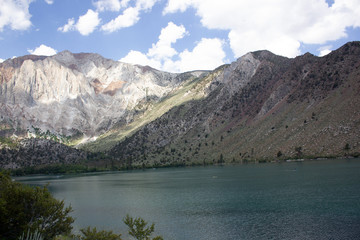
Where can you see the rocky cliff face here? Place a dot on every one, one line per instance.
(69, 94)
(261, 108)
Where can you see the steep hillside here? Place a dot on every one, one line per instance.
(81, 95)
(262, 107)
(37, 152)
(147, 111)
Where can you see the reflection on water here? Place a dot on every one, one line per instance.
(307, 200)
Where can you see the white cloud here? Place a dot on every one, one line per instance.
(2, 60)
(70, 26)
(129, 17)
(15, 14)
(49, 1)
(174, 6)
(86, 24)
(278, 25)
(43, 50)
(169, 35)
(110, 5)
(325, 50)
(136, 57)
(206, 55)
(145, 4)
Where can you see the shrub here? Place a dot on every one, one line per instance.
(31, 236)
(139, 230)
(93, 234)
(24, 208)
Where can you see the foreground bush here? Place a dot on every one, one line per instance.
(32, 213)
(138, 229)
(26, 209)
(93, 234)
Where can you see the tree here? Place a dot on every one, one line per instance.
(347, 147)
(298, 151)
(93, 234)
(24, 208)
(139, 230)
(221, 159)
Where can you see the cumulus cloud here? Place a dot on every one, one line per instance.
(278, 25)
(15, 14)
(86, 23)
(325, 50)
(43, 50)
(136, 57)
(169, 35)
(174, 6)
(145, 4)
(70, 26)
(110, 5)
(206, 55)
(129, 17)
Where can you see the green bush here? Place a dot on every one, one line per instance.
(93, 234)
(139, 230)
(24, 208)
(31, 236)
(32, 213)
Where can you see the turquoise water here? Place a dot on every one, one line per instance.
(307, 200)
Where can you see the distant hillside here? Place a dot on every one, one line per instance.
(75, 95)
(261, 108)
(38, 152)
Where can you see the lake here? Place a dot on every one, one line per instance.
(297, 200)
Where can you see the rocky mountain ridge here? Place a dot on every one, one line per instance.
(69, 94)
(263, 107)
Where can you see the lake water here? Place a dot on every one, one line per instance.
(303, 200)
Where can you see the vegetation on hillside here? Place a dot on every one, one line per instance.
(305, 107)
(261, 108)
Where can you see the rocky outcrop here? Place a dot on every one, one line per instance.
(261, 107)
(71, 93)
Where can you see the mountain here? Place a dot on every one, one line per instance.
(39, 152)
(75, 94)
(262, 107)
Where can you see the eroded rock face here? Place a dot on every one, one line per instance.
(260, 107)
(70, 93)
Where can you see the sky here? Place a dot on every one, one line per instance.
(176, 35)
